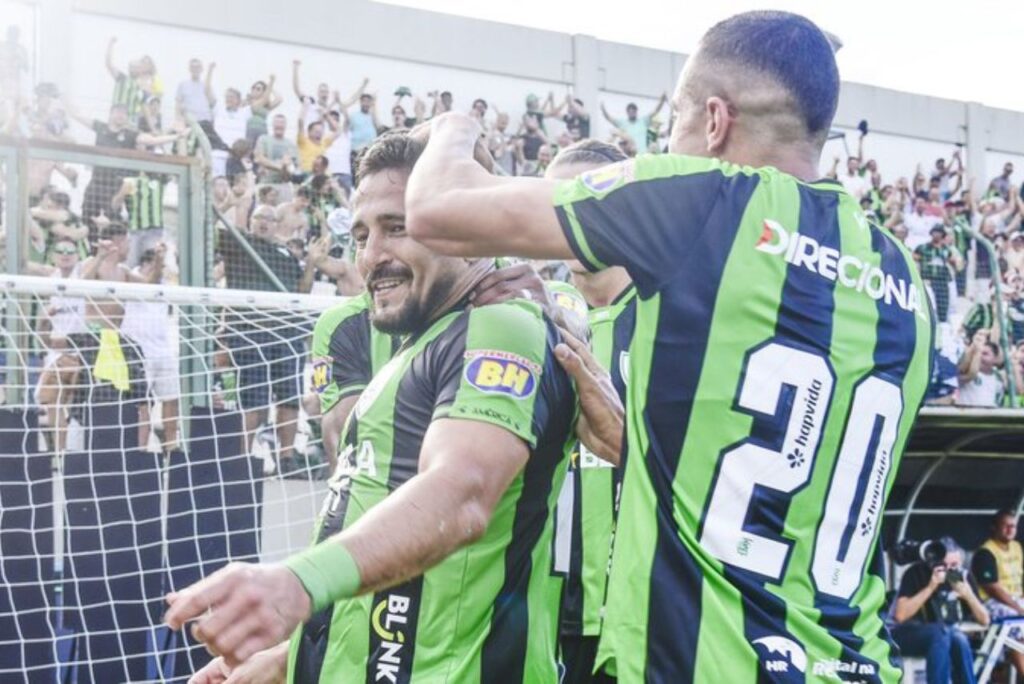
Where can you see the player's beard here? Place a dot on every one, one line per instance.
(413, 314)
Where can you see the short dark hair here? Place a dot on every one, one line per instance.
(788, 48)
(632, 105)
(589, 152)
(1003, 513)
(309, 127)
(147, 256)
(265, 191)
(304, 191)
(393, 150)
(61, 199)
(481, 101)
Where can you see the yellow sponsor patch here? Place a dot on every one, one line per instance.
(499, 372)
(321, 373)
(608, 177)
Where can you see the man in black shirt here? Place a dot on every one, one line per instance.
(929, 607)
(105, 182)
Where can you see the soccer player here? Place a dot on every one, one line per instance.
(435, 562)
(612, 300)
(780, 355)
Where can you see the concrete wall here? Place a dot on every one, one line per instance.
(395, 46)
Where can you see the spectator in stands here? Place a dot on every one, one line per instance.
(148, 324)
(140, 204)
(117, 134)
(1001, 185)
(277, 158)
(338, 155)
(502, 145)
(984, 268)
(269, 363)
(230, 118)
(943, 173)
(195, 98)
(633, 125)
(856, 184)
(261, 100)
(362, 123)
(133, 89)
(311, 140)
(981, 384)
(293, 217)
(528, 146)
(576, 118)
(929, 607)
(441, 102)
(322, 103)
(1017, 368)
(55, 220)
(999, 565)
(937, 261)
(479, 111)
(919, 224)
(47, 119)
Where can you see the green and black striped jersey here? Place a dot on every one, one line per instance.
(146, 205)
(128, 93)
(781, 352)
(596, 482)
(489, 612)
(347, 351)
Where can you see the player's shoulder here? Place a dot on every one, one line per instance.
(514, 325)
(329, 319)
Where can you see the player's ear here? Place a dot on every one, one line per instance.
(718, 122)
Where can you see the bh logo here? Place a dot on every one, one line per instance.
(497, 372)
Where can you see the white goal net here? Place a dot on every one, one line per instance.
(148, 436)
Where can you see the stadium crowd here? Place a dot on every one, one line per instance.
(287, 196)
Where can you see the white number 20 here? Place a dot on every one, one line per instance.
(836, 570)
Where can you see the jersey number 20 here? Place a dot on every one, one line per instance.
(853, 504)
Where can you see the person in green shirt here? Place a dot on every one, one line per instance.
(780, 355)
(937, 261)
(435, 554)
(596, 483)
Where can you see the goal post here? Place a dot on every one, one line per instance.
(141, 432)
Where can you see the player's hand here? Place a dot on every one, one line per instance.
(456, 122)
(938, 576)
(520, 281)
(601, 421)
(266, 667)
(241, 609)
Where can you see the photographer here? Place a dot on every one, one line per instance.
(929, 605)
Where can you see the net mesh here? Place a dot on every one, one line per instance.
(148, 436)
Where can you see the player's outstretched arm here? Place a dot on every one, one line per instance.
(456, 207)
(245, 608)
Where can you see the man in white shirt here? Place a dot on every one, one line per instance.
(981, 384)
(229, 118)
(854, 183)
(919, 224)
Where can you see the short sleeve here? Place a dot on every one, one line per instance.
(493, 372)
(643, 213)
(984, 568)
(910, 584)
(341, 360)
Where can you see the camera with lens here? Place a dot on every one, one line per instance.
(930, 551)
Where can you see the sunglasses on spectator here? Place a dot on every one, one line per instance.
(65, 251)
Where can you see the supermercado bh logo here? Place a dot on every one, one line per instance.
(499, 372)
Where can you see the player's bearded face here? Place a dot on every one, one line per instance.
(402, 299)
(406, 281)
